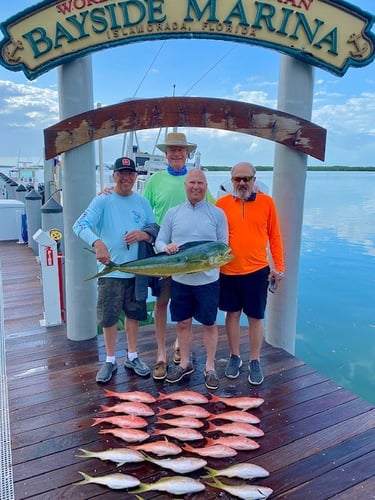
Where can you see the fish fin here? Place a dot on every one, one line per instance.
(191, 244)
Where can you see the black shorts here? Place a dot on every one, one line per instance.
(245, 292)
(116, 295)
(199, 302)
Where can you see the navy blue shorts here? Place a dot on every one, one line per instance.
(245, 292)
(199, 302)
(116, 295)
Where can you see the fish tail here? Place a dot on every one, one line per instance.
(86, 453)
(86, 478)
(211, 472)
(161, 411)
(211, 427)
(109, 393)
(105, 431)
(214, 399)
(162, 395)
(142, 488)
(96, 421)
(187, 447)
(106, 270)
(216, 483)
(105, 408)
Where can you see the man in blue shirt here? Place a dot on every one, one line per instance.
(113, 226)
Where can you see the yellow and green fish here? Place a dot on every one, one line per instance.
(192, 257)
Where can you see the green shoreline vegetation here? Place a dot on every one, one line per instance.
(335, 168)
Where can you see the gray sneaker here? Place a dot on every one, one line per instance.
(211, 380)
(256, 375)
(233, 367)
(105, 373)
(139, 367)
(176, 373)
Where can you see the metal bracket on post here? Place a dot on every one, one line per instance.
(48, 257)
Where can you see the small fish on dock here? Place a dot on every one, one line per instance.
(212, 451)
(130, 408)
(238, 443)
(244, 491)
(181, 465)
(128, 435)
(175, 485)
(186, 410)
(128, 421)
(180, 433)
(138, 396)
(236, 416)
(187, 397)
(116, 481)
(242, 402)
(189, 422)
(160, 448)
(242, 471)
(237, 428)
(120, 456)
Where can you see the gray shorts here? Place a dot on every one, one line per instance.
(116, 295)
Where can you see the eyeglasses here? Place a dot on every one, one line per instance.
(245, 178)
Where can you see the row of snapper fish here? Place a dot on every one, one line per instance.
(185, 423)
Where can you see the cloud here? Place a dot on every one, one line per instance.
(25, 110)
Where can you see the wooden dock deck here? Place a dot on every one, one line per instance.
(318, 443)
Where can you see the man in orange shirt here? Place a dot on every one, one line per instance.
(244, 281)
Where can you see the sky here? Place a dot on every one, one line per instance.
(345, 106)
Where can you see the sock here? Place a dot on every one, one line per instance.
(132, 355)
(111, 359)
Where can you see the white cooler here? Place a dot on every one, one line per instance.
(11, 212)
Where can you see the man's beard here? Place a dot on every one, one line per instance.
(242, 194)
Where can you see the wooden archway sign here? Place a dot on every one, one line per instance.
(223, 114)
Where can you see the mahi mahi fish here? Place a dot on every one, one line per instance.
(192, 257)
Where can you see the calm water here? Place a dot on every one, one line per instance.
(336, 304)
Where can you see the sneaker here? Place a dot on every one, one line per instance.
(233, 367)
(211, 380)
(139, 367)
(160, 370)
(177, 373)
(256, 375)
(105, 373)
(176, 356)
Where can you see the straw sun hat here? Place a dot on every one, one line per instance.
(176, 139)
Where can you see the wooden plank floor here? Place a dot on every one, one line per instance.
(319, 440)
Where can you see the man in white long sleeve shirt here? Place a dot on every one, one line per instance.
(194, 295)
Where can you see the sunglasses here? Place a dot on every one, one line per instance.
(245, 178)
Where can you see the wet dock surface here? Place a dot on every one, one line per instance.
(318, 443)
